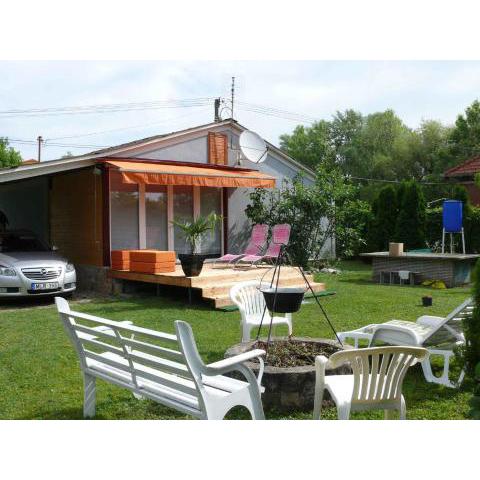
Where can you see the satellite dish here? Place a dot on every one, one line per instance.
(253, 146)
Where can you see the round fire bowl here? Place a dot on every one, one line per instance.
(290, 388)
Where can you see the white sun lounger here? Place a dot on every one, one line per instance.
(439, 335)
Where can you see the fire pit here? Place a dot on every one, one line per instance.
(289, 377)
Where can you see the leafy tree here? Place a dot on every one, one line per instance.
(8, 156)
(465, 136)
(410, 227)
(317, 213)
(309, 145)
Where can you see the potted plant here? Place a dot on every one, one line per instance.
(193, 232)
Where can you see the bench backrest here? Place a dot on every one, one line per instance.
(141, 353)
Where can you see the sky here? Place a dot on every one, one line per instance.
(415, 90)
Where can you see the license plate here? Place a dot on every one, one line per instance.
(44, 286)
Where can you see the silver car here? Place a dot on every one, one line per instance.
(28, 267)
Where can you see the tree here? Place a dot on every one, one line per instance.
(8, 156)
(465, 136)
(317, 213)
(385, 213)
(310, 145)
(410, 227)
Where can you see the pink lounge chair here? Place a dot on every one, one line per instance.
(257, 240)
(280, 236)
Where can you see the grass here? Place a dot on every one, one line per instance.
(40, 376)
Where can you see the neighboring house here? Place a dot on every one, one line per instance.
(124, 197)
(464, 174)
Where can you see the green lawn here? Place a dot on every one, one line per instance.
(40, 377)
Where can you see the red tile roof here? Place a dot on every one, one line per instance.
(470, 167)
(30, 161)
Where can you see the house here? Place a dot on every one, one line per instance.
(464, 175)
(124, 197)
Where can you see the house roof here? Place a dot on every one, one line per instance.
(465, 169)
(89, 159)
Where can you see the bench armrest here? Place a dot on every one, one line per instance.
(229, 364)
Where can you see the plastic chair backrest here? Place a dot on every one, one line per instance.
(248, 297)
(378, 372)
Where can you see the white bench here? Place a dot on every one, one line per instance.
(160, 366)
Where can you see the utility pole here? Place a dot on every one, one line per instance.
(40, 141)
(233, 93)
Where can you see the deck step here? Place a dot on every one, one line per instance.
(224, 300)
(224, 288)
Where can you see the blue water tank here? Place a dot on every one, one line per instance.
(452, 216)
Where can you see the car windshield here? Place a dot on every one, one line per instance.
(20, 242)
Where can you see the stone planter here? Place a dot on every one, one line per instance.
(289, 388)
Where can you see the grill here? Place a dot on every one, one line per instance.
(42, 273)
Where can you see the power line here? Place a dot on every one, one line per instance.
(145, 125)
(380, 180)
(108, 108)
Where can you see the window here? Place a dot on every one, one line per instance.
(156, 221)
(211, 201)
(182, 211)
(123, 214)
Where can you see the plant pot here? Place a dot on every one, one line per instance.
(288, 299)
(427, 301)
(191, 263)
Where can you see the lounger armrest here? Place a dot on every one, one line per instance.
(229, 364)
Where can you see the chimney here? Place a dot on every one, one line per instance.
(217, 110)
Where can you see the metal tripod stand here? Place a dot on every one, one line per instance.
(283, 254)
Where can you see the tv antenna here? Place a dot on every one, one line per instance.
(232, 92)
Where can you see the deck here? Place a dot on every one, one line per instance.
(215, 282)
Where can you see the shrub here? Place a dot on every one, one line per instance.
(384, 218)
(318, 213)
(410, 226)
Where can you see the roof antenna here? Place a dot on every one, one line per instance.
(232, 93)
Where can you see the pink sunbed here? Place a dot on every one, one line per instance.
(254, 247)
(280, 236)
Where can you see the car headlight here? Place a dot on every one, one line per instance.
(70, 267)
(7, 271)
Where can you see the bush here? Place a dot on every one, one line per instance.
(384, 217)
(472, 327)
(317, 213)
(410, 227)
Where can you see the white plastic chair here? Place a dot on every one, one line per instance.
(249, 300)
(440, 335)
(376, 382)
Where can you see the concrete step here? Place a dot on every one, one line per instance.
(222, 301)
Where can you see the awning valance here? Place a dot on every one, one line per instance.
(168, 174)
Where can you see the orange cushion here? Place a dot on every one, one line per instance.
(120, 265)
(144, 267)
(120, 255)
(152, 256)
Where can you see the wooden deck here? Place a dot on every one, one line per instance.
(215, 282)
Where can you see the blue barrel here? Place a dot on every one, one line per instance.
(452, 216)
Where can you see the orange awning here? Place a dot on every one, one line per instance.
(168, 174)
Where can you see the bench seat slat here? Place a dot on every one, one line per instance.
(160, 363)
